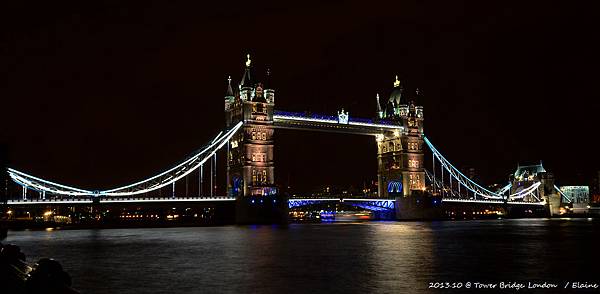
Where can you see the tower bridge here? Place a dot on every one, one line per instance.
(405, 185)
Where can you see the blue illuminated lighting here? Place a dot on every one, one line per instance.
(237, 184)
(394, 187)
(369, 204)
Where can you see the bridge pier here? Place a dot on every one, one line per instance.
(419, 205)
(384, 215)
(523, 211)
(270, 209)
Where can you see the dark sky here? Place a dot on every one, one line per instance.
(96, 95)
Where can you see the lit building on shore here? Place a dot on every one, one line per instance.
(579, 196)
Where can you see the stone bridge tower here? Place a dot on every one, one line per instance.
(400, 152)
(527, 175)
(250, 168)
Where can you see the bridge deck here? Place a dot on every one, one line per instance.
(121, 200)
(227, 198)
(300, 121)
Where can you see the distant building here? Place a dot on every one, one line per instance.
(579, 196)
(472, 173)
(595, 189)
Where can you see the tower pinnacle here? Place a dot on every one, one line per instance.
(397, 82)
(229, 92)
(246, 78)
(248, 61)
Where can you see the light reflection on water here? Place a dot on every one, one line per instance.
(397, 257)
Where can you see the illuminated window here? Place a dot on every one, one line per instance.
(253, 135)
(414, 181)
(258, 108)
(413, 146)
(413, 163)
(259, 157)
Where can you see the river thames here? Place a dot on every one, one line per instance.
(360, 257)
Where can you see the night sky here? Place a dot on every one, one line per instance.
(97, 95)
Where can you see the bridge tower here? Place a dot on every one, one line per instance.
(400, 152)
(527, 175)
(250, 162)
(250, 168)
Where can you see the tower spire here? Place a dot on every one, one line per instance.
(397, 82)
(267, 80)
(379, 111)
(246, 79)
(417, 99)
(248, 61)
(229, 89)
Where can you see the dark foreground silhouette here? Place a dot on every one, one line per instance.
(45, 276)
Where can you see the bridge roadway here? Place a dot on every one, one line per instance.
(121, 200)
(294, 202)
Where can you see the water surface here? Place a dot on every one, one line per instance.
(367, 257)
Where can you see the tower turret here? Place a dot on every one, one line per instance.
(229, 96)
(389, 109)
(379, 111)
(397, 100)
(269, 91)
(418, 104)
(414, 121)
(402, 106)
